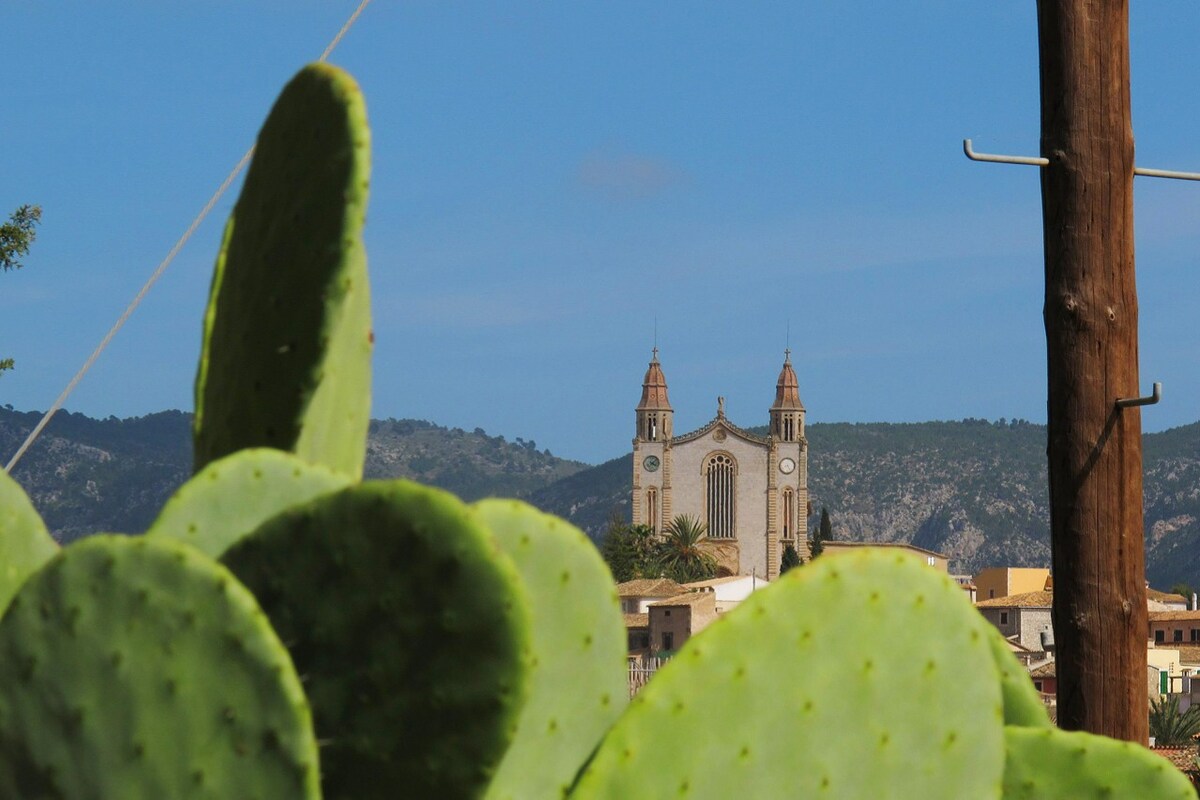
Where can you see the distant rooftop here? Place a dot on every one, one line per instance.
(649, 587)
(720, 581)
(1041, 599)
(903, 545)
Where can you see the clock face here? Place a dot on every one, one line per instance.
(651, 463)
(787, 466)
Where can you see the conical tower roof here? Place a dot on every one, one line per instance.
(787, 388)
(654, 387)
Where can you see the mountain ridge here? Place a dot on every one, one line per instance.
(973, 489)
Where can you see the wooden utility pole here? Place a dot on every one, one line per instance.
(1095, 450)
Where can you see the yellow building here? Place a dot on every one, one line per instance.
(996, 582)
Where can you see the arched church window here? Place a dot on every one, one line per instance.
(652, 508)
(720, 479)
(789, 429)
(789, 514)
(652, 427)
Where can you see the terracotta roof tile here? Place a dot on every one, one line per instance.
(687, 599)
(637, 620)
(1172, 616)
(1164, 597)
(1044, 671)
(1188, 655)
(1024, 600)
(649, 587)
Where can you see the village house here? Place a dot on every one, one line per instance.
(1023, 618)
(1174, 627)
(995, 582)
(1165, 601)
(637, 595)
(675, 620)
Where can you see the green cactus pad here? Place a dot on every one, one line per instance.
(132, 668)
(412, 629)
(1047, 763)
(865, 675)
(231, 497)
(1022, 706)
(25, 544)
(580, 681)
(285, 359)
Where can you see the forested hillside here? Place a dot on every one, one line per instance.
(975, 490)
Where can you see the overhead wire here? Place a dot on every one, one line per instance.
(162, 267)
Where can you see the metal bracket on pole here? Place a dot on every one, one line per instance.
(1032, 162)
(1129, 402)
(1043, 162)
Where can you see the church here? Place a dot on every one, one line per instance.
(751, 491)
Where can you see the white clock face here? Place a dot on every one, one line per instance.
(650, 463)
(787, 466)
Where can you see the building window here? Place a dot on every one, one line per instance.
(789, 429)
(931, 561)
(652, 508)
(668, 640)
(1037, 685)
(991, 593)
(789, 514)
(1159, 637)
(652, 427)
(720, 493)
(1196, 634)
(1177, 635)
(1003, 617)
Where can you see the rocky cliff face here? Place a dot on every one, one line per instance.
(973, 490)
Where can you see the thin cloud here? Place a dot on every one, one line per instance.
(626, 176)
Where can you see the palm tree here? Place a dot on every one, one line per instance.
(1169, 726)
(680, 555)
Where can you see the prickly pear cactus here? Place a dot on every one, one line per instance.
(412, 629)
(1047, 763)
(285, 358)
(579, 684)
(137, 669)
(859, 676)
(231, 497)
(25, 544)
(1022, 706)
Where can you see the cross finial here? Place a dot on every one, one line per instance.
(787, 355)
(655, 351)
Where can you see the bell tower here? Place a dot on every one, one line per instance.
(787, 413)
(787, 476)
(652, 450)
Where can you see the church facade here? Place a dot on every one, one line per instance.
(751, 491)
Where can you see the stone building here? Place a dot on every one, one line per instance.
(750, 490)
(1021, 618)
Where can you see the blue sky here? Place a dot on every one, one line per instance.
(549, 178)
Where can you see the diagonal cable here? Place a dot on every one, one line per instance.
(162, 267)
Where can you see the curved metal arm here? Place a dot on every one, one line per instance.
(1129, 402)
(971, 154)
